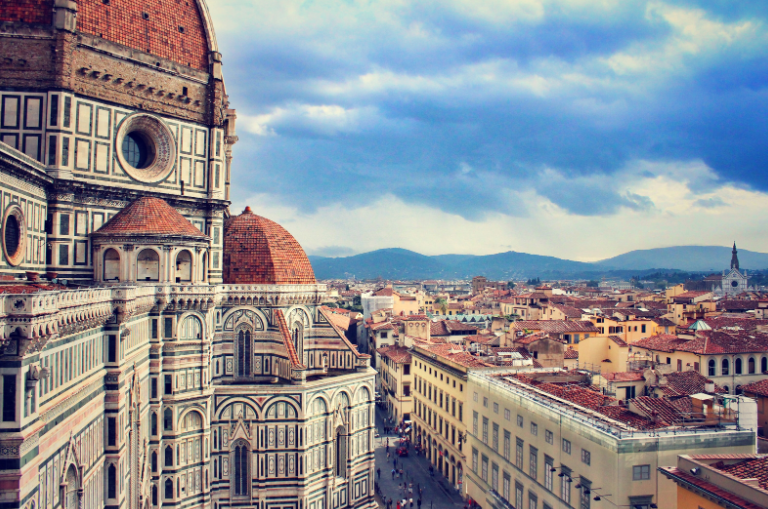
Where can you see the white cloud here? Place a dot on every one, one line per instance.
(547, 229)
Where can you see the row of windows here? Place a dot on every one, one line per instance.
(443, 400)
(70, 363)
(434, 372)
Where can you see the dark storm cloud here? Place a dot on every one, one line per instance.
(440, 105)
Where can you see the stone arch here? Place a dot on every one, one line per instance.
(148, 265)
(259, 314)
(71, 488)
(363, 391)
(313, 410)
(191, 327)
(229, 410)
(299, 313)
(192, 417)
(281, 408)
(183, 266)
(111, 265)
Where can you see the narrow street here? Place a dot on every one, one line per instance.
(436, 491)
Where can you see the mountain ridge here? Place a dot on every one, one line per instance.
(399, 263)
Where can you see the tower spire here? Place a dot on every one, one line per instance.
(734, 258)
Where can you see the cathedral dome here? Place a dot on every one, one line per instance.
(177, 30)
(150, 216)
(260, 251)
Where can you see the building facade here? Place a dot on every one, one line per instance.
(172, 354)
(545, 439)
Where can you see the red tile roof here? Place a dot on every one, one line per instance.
(686, 383)
(287, 342)
(31, 288)
(760, 388)
(700, 483)
(398, 354)
(570, 353)
(618, 340)
(753, 468)
(260, 251)
(149, 216)
(628, 376)
(555, 326)
(158, 34)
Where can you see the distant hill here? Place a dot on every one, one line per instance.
(687, 258)
(404, 264)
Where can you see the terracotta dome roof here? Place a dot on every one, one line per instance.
(259, 251)
(171, 29)
(149, 216)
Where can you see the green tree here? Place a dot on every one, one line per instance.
(592, 284)
(511, 285)
(442, 304)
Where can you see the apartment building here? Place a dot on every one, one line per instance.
(440, 381)
(731, 481)
(395, 381)
(546, 439)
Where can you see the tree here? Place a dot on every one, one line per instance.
(592, 284)
(511, 285)
(442, 304)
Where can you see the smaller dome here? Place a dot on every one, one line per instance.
(149, 216)
(261, 252)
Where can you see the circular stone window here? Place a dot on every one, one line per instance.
(146, 148)
(734, 284)
(14, 235)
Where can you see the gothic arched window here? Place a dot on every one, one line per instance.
(244, 352)
(71, 498)
(168, 419)
(240, 471)
(169, 456)
(168, 489)
(154, 461)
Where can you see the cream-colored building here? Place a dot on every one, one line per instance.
(440, 378)
(545, 439)
(395, 381)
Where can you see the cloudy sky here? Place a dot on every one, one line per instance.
(575, 128)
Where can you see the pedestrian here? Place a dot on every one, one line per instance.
(387, 453)
(378, 473)
(401, 472)
(393, 474)
(418, 502)
(411, 502)
(398, 504)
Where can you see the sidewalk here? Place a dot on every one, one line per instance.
(437, 492)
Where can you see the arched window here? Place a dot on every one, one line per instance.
(168, 419)
(148, 266)
(725, 367)
(241, 478)
(341, 452)
(763, 364)
(70, 496)
(184, 266)
(191, 328)
(737, 366)
(153, 422)
(244, 352)
(112, 481)
(154, 461)
(154, 494)
(204, 268)
(111, 265)
(712, 367)
(169, 456)
(298, 339)
(751, 365)
(192, 422)
(168, 489)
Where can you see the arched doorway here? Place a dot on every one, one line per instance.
(148, 266)
(111, 265)
(184, 266)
